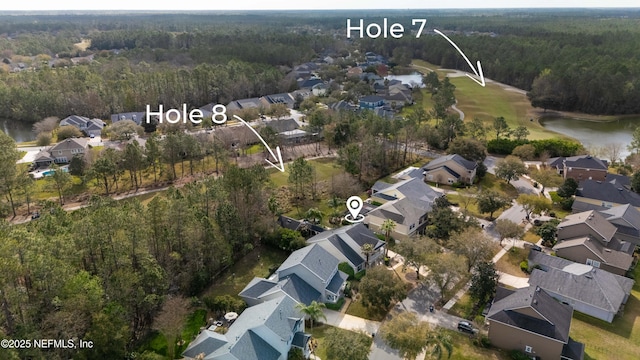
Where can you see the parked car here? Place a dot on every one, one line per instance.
(536, 248)
(35, 215)
(466, 326)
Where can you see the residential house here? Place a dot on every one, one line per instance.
(288, 130)
(284, 98)
(265, 331)
(234, 137)
(588, 238)
(406, 202)
(346, 244)
(309, 83)
(320, 89)
(600, 195)
(588, 290)
(305, 227)
(251, 103)
(84, 124)
(626, 219)
(62, 152)
(342, 106)
(308, 274)
(371, 102)
(450, 169)
(580, 167)
(532, 321)
(137, 117)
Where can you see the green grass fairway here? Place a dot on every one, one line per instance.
(325, 169)
(489, 102)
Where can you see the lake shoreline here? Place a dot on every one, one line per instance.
(541, 115)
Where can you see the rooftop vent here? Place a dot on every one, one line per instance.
(535, 302)
(588, 276)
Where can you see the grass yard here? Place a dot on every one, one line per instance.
(356, 308)
(490, 181)
(619, 340)
(325, 168)
(510, 262)
(319, 333)
(157, 342)
(255, 263)
(464, 349)
(531, 237)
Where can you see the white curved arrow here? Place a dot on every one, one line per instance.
(278, 158)
(477, 72)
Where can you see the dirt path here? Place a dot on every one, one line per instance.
(309, 151)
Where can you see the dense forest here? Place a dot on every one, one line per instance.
(578, 62)
(575, 60)
(77, 275)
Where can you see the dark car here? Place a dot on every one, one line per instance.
(536, 248)
(35, 215)
(466, 326)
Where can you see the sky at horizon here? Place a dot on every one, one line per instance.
(185, 5)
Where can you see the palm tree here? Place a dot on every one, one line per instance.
(387, 226)
(314, 215)
(367, 250)
(439, 341)
(313, 311)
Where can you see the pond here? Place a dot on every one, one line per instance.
(412, 79)
(595, 133)
(20, 131)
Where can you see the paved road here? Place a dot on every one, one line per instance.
(417, 302)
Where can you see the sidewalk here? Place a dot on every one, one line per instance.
(350, 322)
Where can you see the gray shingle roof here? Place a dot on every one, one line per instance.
(593, 220)
(553, 318)
(313, 257)
(299, 290)
(349, 241)
(256, 287)
(625, 218)
(595, 287)
(283, 125)
(247, 337)
(436, 163)
(137, 117)
(579, 281)
(353, 256)
(207, 342)
(615, 254)
(338, 279)
(608, 192)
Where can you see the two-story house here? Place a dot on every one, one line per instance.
(308, 274)
(589, 290)
(88, 126)
(588, 238)
(61, 153)
(266, 331)
(601, 195)
(532, 321)
(407, 203)
(580, 167)
(346, 244)
(450, 169)
(371, 102)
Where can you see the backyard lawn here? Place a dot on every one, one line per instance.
(256, 263)
(510, 262)
(319, 332)
(619, 340)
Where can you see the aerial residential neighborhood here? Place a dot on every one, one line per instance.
(264, 185)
